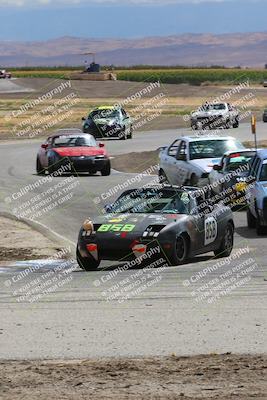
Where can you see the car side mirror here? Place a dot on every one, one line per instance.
(181, 157)
(204, 207)
(108, 208)
(217, 167)
(44, 146)
(101, 144)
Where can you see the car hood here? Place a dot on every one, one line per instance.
(105, 121)
(140, 221)
(79, 151)
(206, 164)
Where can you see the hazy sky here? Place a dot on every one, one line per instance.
(45, 19)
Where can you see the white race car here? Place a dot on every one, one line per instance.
(215, 115)
(189, 160)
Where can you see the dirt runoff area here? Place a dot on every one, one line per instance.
(20, 242)
(222, 377)
(136, 162)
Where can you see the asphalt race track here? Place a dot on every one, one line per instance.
(81, 319)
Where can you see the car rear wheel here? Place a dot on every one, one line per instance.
(251, 220)
(227, 243)
(261, 230)
(180, 251)
(236, 124)
(123, 135)
(130, 136)
(228, 124)
(86, 263)
(106, 170)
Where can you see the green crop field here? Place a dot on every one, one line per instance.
(192, 76)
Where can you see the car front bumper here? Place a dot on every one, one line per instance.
(84, 163)
(116, 248)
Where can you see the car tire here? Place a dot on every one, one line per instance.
(180, 251)
(260, 229)
(50, 169)
(106, 170)
(124, 136)
(163, 177)
(227, 244)
(86, 263)
(236, 124)
(228, 124)
(130, 136)
(39, 169)
(251, 220)
(193, 180)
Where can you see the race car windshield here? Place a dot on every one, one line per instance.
(217, 106)
(147, 202)
(74, 141)
(235, 161)
(212, 148)
(103, 114)
(263, 175)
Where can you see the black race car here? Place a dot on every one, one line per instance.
(108, 122)
(177, 221)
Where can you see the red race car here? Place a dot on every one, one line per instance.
(77, 151)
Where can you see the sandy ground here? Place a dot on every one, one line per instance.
(135, 162)
(221, 377)
(166, 113)
(19, 242)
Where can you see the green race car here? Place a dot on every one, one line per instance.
(108, 122)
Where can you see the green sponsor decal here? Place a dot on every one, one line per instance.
(116, 228)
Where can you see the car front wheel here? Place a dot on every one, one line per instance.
(227, 243)
(163, 177)
(86, 263)
(39, 168)
(106, 170)
(180, 251)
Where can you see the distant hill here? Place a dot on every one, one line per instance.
(244, 49)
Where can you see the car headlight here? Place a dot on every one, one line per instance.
(88, 227)
(241, 186)
(153, 231)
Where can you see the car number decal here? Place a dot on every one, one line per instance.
(211, 230)
(116, 228)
